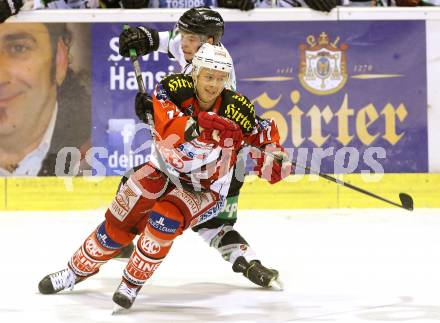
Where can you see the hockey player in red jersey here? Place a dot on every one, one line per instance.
(195, 27)
(199, 126)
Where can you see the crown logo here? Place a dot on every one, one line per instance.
(322, 64)
(323, 41)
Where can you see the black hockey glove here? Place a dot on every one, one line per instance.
(135, 4)
(143, 104)
(243, 5)
(322, 5)
(9, 8)
(143, 40)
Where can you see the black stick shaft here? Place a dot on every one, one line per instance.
(137, 71)
(407, 205)
(141, 85)
(358, 189)
(136, 67)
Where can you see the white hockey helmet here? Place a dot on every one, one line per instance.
(213, 57)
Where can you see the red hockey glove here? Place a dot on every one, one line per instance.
(273, 170)
(229, 133)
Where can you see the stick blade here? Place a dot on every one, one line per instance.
(407, 201)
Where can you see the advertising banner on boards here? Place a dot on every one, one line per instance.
(347, 96)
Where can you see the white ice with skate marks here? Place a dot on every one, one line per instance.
(339, 266)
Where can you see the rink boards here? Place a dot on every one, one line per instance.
(408, 157)
(307, 191)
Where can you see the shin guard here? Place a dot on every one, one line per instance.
(96, 250)
(146, 258)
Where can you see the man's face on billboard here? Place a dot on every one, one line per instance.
(27, 88)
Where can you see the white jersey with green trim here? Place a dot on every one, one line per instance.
(170, 42)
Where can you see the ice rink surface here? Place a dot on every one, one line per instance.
(336, 265)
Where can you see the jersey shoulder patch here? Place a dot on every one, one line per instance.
(179, 87)
(239, 109)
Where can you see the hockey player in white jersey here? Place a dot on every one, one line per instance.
(195, 27)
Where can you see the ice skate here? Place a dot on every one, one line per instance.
(58, 281)
(125, 296)
(257, 273)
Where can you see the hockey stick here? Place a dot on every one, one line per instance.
(149, 114)
(405, 199)
(141, 86)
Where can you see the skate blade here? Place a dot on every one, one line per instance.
(118, 310)
(276, 284)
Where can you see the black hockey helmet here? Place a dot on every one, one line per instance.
(202, 21)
